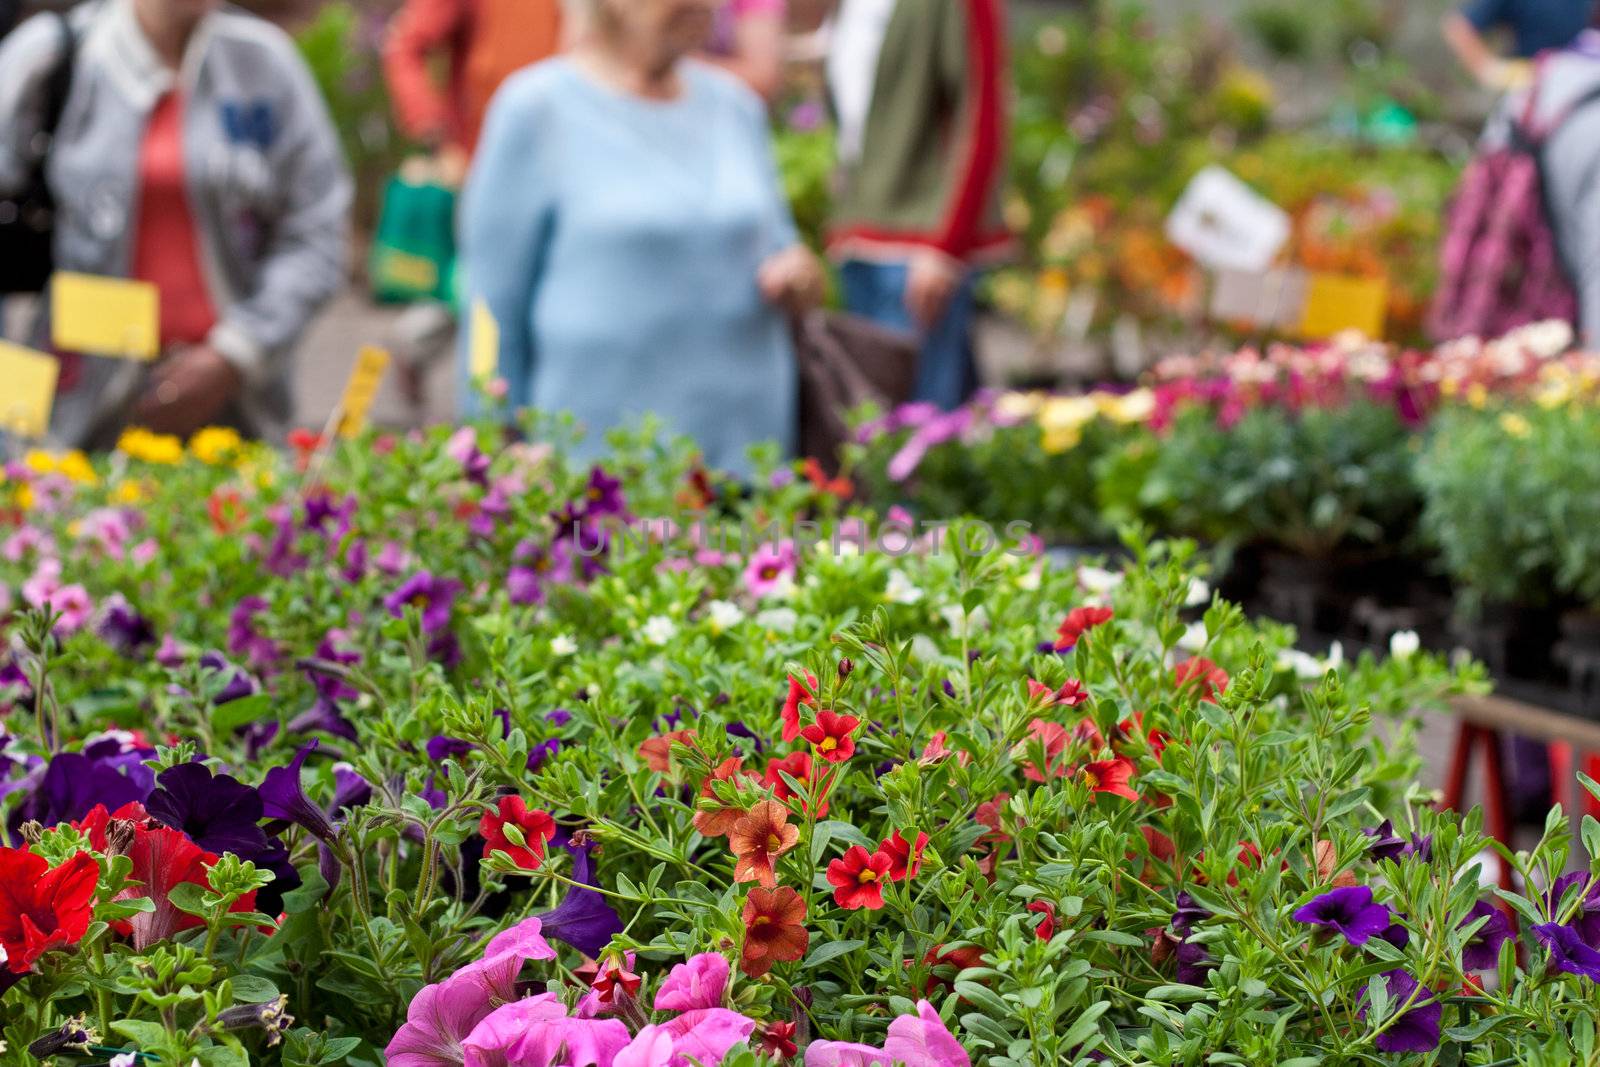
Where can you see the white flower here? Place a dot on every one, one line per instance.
(1199, 593)
(1305, 666)
(723, 615)
(1335, 658)
(781, 620)
(1097, 581)
(658, 630)
(1030, 580)
(1194, 638)
(923, 649)
(123, 1059)
(1404, 644)
(900, 589)
(563, 645)
(961, 622)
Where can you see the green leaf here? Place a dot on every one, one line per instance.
(985, 998)
(830, 950)
(144, 1034)
(236, 713)
(188, 897)
(1178, 994)
(253, 989)
(1085, 1025)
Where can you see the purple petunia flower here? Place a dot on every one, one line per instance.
(1188, 914)
(583, 919)
(1349, 910)
(332, 651)
(559, 717)
(442, 748)
(1568, 952)
(323, 715)
(1193, 963)
(1417, 1029)
(463, 448)
(283, 797)
(602, 495)
(1482, 950)
(244, 640)
(433, 597)
(539, 753)
(350, 790)
(123, 628)
(237, 683)
(218, 812)
(72, 783)
(1387, 845)
(1587, 920)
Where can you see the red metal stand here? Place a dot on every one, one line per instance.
(1496, 803)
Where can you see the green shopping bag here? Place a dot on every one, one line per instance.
(413, 254)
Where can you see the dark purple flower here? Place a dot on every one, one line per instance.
(583, 919)
(323, 715)
(350, 790)
(218, 812)
(14, 685)
(123, 628)
(332, 651)
(432, 597)
(72, 783)
(354, 567)
(442, 748)
(283, 797)
(433, 794)
(1482, 950)
(244, 640)
(1349, 910)
(236, 684)
(1587, 919)
(1396, 934)
(257, 736)
(1417, 1029)
(559, 717)
(1188, 914)
(504, 715)
(542, 751)
(329, 517)
(1388, 845)
(739, 729)
(170, 653)
(1193, 963)
(1568, 952)
(602, 496)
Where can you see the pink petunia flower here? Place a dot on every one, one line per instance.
(698, 982)
(771, 569)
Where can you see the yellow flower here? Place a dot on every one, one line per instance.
(1056, 442)
(1017, 406)
(215, 444)
(1477, 396)
(141, 444)
(1515, 425)
(128, 491)
(40, 462)
(1449, 387)
(24, 497)
(76, 465)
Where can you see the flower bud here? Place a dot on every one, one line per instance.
(71, 1036)
(269, 1016)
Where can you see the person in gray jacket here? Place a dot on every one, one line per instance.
(194, 152)
(1569, 97)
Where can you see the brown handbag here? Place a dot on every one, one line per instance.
(847, 361)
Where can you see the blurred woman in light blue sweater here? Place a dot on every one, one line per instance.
(625, 224)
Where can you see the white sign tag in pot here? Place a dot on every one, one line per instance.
(1226, 225)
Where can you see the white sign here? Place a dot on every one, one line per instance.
(1226, 225)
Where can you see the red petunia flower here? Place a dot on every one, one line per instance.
(1110, 776)
(40, 908)
(1210, 680)
(1070, 695)
(1078, 622)
(758, 839)
(612, 978)
(718, 822)
(799, 693)
(163, 859)
(952, 961)
(1053, 736)
(534, 827)
(840, 487)
(1130, 732)
(657, 751)
(989, 814)
(905, 859)
(1047, 926)
(797, 765)
(774, 929)
(831, 736)
(226, 509)
(777, 1040)
(857, 878)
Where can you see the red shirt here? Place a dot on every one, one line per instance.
(166, 249)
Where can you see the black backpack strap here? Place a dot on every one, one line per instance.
(58, 85)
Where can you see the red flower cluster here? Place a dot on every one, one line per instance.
(1078, 622)
(1210, 680)
(800, 693)
(516, 831)
(857, 877)
(718, 821)
(832, 736)
(41, 908)
(774, 929)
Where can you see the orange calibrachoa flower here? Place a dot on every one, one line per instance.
(1110, 776)
(1053, 736)
(719, 821)
(1078, 622)
(760, 837)
(857, 878)
(797, 765)
(905, 859)
(1070, 695)
(657, 751)
(516, 831)
(799, 693)
(831, 736)
(774, 929)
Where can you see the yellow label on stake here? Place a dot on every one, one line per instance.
(361, 390)
(1338, 302)
(105, 316)
(484, 358)
(30, 390)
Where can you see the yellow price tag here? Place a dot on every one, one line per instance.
(1337, 302)
(30, 390)
(361, 390)
(105, 316)
(484, 357)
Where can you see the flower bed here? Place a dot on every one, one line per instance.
(382, 761)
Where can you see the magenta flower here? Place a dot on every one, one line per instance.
(432, 597)
(1350, 911)
(920, 1040)
(698, 982)
(771, 566)
(531, 1033)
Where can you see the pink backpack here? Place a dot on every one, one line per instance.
(1500, 265)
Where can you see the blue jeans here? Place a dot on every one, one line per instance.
(946, 374)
